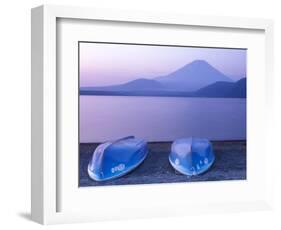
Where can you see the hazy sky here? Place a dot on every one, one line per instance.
(108, 64)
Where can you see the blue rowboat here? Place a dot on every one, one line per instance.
(191, 156)
(117, 158)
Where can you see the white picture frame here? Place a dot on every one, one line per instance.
(46, 183)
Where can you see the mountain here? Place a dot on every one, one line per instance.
(193, 76)
(138, 84)
(190, 77)
(197, 79)
(224, 89)
(239, 89)
(139, 87)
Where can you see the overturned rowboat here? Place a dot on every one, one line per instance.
(191, 156)
(117, 158)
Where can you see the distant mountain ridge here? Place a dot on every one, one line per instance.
(193, 76)
(197, 79)
(138, 84)
(224, 89)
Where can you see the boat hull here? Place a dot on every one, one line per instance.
(115, 159)
(191, 156)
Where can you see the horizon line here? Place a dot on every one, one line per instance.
(202, 60)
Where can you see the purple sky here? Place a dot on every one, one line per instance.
(109, 64)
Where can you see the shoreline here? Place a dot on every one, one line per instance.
(230, 164)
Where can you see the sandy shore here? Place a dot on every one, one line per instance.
(230, 164)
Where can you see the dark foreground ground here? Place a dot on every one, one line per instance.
(230, 164)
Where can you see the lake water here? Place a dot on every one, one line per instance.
(161, 118)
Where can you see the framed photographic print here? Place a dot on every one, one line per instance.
(140, 114)
(192, 92)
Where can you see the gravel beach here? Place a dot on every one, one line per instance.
(230, 164)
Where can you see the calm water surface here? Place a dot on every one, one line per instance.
(161, 118)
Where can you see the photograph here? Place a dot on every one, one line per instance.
(157, 113)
